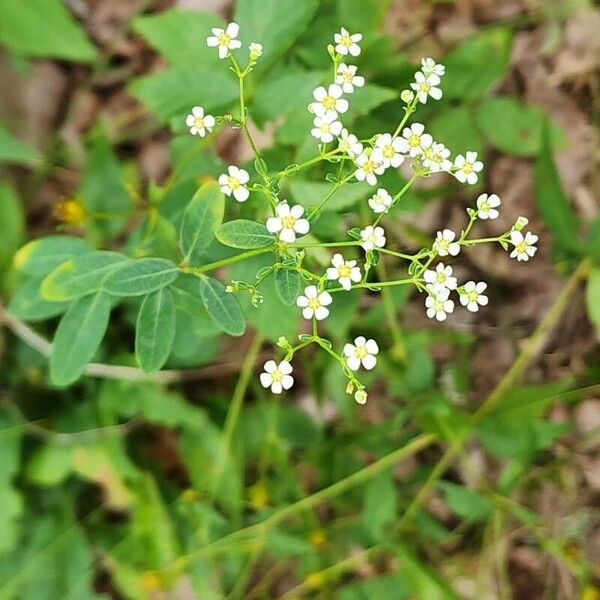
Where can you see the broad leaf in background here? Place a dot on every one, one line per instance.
(10, 498)
(456, 128)
(43, 28)
(12, 223)
(273, 23)
(552, 201)
(362, 15)
(288, 284)
(467, 504)
(379, 510)
(41, 256)
(593, 298)
(78, 337)
(80, 276)
(366, 99)
(244, 234)
(14, 151)
(140, 277)
(155, 330)
(27, 303)
(201, 219)
(222, 307)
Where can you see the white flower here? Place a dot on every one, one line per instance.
(344, 271)
(225, 39)
(430, 67)
(349, 143)
(372, 237)
(363, 351)
(347, 78)
(277, 376)
(360, 396)
(234, 183)
(328, 101)
(380, 201)
(392, 149)
(444, 243)
(326, 127)
(346, 43)
(288, 223)
(198, 122)
(255, 50)
(472, 296)
(417, 138)
(370, 164)
(524, 245)
(437, 303)
(486, 206)
(467, 168)
(440, 278)
(314, 304)
(436, 158)
(407, 96)
(425, 86)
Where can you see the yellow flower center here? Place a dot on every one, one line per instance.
(224, 39)
(329, 102)
(369, 166)
(344, 271)
(428, 153)
(233, 183)
(199, 122)
(441, 277)
(443, 244)
(288, 222)
(276, 375)
(360, 352)
(522, 247)
(347, 76)
(439, 306)
(325, 127)
(425, 87)
(467, 168)
(485, 207)
(346, 41)
(473, 296)
(388, 151)
(314, 303)
(414, 140)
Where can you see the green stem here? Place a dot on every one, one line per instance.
(373, 285)
(409, 110)
(226, 261)
(399, 347)
(306, 164)
(315, 211)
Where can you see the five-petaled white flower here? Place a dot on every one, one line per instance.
(344, 271)
(437, 158)
(467, 168)
(347, 43)
(380, 201)
(235, 183)
(346, 77)
(361, 396)
(472, 295)
(349, 144)
(440, 278)
(326, 127)
(417, 138)
(392, 150)
(438, 304)
(255, 49)
(363, 351)
(198, 122)
(486, 206)
(277, 376)
(224, 39)
(288, 222)
(372, 237)
(444, 243)
(524, 245)
(426, 86)
(314, 303)
(370, 164)
(328, 101)
(430, 67)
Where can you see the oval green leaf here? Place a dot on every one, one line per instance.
(78, 337)
(222, 307)
(39, 257)
(28, 305)
(244, 234)
(140, 277)
(288, 284)
(155, 330)
(79, 276)
(201, 219)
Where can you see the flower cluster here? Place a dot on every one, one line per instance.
(360, 160)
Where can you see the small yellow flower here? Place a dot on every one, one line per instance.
(317, 538)
(150, 581)
(590, 593)
(70, 211)
(315, 580)
(190, 495)
(258, 495)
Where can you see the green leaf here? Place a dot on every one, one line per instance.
(78, 337)
(14, 151)
(514, 127)
(362, 15)
(43, 28)
(155, 330)
(288, 284)
(456, 128)
(28, 305)
(41, 256)
(466, 503)
(380, 505)
(366, 99)
(273, 23)
(592, 297)
(244, 234)
(80, 276)
(473, 67)
(201, 219)
(140, 277)
(12, 223)
(222, 307)
(552, 202)
(10, 499)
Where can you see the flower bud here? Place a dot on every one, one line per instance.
(350, 387)
(256, 51)
(520, 223)
(361, 396)
(282, 342)
(407, 96)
